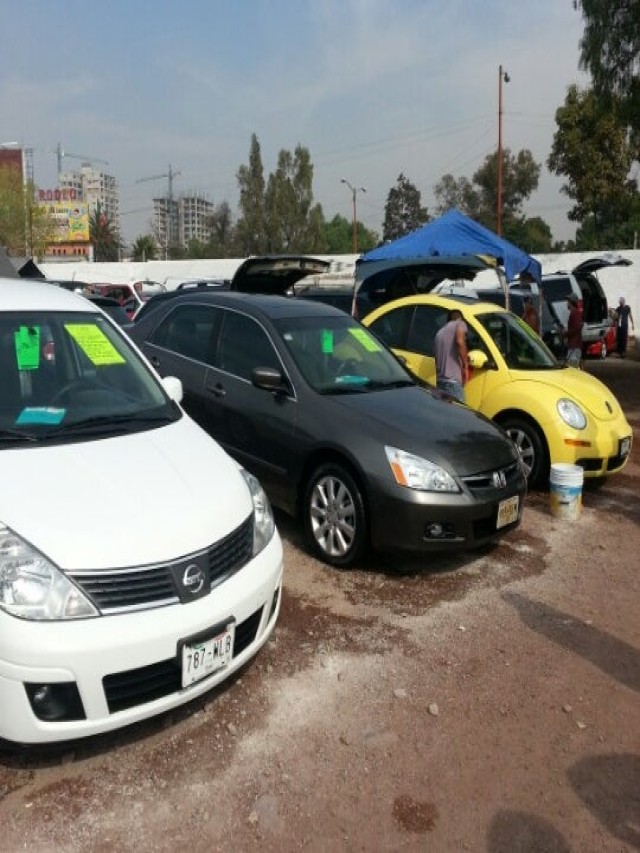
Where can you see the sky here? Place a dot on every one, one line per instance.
(372, 88)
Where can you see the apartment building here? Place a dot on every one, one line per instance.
(179, 221)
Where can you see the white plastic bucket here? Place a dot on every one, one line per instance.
(565, 490)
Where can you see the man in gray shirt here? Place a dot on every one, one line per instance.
(450, 350)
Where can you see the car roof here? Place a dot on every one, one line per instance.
(21, 295)
(258, 304)
(473, 306)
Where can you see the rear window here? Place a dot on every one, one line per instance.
(557, 289)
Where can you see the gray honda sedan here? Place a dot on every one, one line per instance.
(335, 428)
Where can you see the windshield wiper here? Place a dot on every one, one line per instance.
(16, 435)
(383, 384)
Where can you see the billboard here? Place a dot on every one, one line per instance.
(70, 220)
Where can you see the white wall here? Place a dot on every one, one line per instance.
(616, 282)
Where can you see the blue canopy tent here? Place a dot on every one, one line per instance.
(453, 235)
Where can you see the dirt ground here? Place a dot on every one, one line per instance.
(485, 702)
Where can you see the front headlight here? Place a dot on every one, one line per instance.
(571, 413)
(33, 588)
(263, 523)
(417, 473)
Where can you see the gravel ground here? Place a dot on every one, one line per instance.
(481, 702)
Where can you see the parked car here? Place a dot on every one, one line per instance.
(551, 329)
(333, 425)
(582, 281)
(124, 294)
(340, 296)
(100, 629)
(111, 307)
(552, 412)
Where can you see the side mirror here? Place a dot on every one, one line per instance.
(268, 379)
(477, 359)
(173, 386)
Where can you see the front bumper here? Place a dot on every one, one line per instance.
(138, 648)
(406, 520)
(598, 452)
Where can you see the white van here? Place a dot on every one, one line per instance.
(112, 615)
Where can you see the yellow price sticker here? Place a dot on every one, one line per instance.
(368, 342)
(94, 344)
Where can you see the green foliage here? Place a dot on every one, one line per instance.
(104, 236)
(460, 194)
(25, 227)
(338, 235)
(403, 211)
(610, 52)
(532, 235)
(293, 222)
(12, 211)
(478, 197)
(520, 175)
(251, 234)
(593, 151)
(144, 248)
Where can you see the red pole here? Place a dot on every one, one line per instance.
(499, 211)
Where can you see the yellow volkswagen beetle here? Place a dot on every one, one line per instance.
(553, 413)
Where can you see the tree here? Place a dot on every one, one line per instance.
(478, 197)
(144, 248)
(223, 242)
(403, 211)
(293, 222)
(339, 236)
(452, 194)
(104, 236)
(532, 235)
(26, 228)
(520, 176)
(250, 229)
(593, 151)
(610, 52)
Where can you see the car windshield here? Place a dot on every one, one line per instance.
(69, 376)
(335, 354)
(518, 344)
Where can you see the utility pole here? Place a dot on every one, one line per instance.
(354, 218)
(502, 75)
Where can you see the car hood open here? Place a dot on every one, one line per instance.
(609, 259)
(275, 274)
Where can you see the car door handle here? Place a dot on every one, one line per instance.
(217, 390)
(155, 361)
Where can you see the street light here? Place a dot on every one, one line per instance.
(502, 75)
(354, 229)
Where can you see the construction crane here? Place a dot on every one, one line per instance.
(60, 152)
(170, 175)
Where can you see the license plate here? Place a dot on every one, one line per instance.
(205, 656)
(508, 511)
(625, 446)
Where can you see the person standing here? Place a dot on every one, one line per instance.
(530, 315)
(574, 333)
(623, 318)
(450, 350)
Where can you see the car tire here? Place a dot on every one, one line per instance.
(335, 519)
(531, 446)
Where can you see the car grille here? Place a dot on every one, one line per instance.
(483, 483)
(145, 587)
(138, 686)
